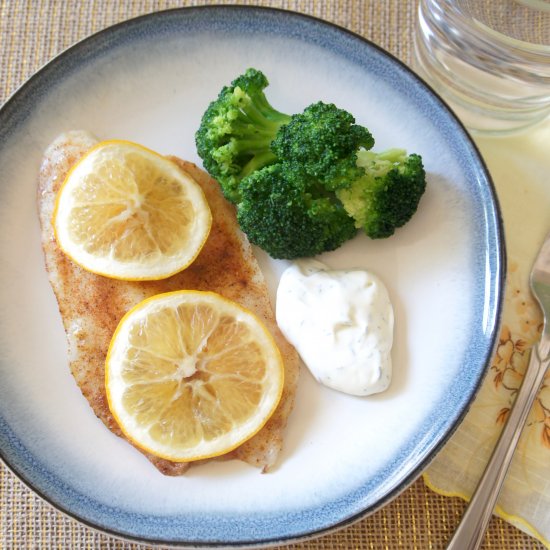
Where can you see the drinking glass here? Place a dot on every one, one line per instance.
(489, 59)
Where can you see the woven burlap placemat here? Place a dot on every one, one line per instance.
(34, 31)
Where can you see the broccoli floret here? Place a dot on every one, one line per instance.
(236, 131)
(290, 215)
(324, 141)
(303, 184)
(388, 194)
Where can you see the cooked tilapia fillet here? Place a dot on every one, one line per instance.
(91, 305)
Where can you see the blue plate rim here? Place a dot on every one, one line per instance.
(499, 257)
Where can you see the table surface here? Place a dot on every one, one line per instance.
(34, 31)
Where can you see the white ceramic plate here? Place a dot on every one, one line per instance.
(149, 80)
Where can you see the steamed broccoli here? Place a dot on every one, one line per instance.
(290, 215)
(236, 131)
(323, 140)
(303, 184)
(388, 193)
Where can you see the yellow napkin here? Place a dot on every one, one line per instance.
(520, 168)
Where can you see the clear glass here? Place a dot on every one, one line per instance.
(489, 59)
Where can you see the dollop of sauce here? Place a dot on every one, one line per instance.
(341, 324)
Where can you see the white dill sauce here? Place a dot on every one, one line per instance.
(341, 324)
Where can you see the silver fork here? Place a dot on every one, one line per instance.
(471, 529)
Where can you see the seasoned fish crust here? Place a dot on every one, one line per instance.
(91, 305)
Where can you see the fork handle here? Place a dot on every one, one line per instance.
(471, 529)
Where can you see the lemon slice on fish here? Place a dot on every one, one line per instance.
(129, 213)
(191, 375)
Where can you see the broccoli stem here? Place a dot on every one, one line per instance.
(247, 127)
(257, 162)
(260, 114)
(264, 107)
(250, 146)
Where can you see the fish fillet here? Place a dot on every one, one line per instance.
(91, 305)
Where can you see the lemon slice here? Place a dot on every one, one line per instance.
(191, 375)
(129, 213)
